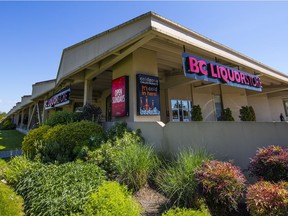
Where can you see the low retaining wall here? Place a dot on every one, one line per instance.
(12, 153)
(237, 141)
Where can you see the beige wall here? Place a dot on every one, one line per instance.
(261, 107)
(204, 97)
(237, 141)
(276, 107)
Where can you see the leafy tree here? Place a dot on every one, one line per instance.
(2, 116)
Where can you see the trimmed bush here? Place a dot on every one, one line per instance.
(197, 113)
(187, 212)
(10, 203)
(17, 167)
(64, 143)
(59, 189)
(63, 117)
(111, 199)
(178, 181)
(135, 164)
(28, 145)
(226, 115)
(222, 185)
(267, 199)
(247, 113)
(270, 164)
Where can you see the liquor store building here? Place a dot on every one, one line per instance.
(150, 71)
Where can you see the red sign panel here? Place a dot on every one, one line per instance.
(119, 95)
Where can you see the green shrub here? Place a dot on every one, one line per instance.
(17, 167)
(187, 212)
(106, 155)
(135, 164)
(111, 199)
(178, 181)
(91, 113)
(267, 199)
(63, 117)
(10, 203)
(64, 143)
(59, 189)
(117, 130)
(196, 113)
(226, 115)
(28, 145)
(222, 185)
(247, 113)
(7, 125)
(270, 164)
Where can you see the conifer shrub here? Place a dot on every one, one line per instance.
(59, 189)
(111, 199)
(178, 180)
(28, 145)
(270, 164)
(222, 184)
(196, 113)
(247, 113)
(267, 199)
(10, 203)
(226, 115)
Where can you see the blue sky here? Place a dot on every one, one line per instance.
(33, 34)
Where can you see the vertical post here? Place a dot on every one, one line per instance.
(88, 91)
(22, 117)
(38, 113)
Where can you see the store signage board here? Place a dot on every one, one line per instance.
(203, 69)
(148, 95)
(59, 99)
(120, 96)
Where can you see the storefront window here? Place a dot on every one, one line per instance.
(181, 110)
(218, 106)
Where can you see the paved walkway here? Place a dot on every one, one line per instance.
(7, 154)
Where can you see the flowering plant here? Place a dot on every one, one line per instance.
(270, 164)
(267, 199)
(222, 185)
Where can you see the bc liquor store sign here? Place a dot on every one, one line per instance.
(202, 69)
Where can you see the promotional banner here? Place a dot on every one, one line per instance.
(120, 97)
(148, 96)
(59, 99)
(203, 69)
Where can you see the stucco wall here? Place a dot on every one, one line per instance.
(237, 141)
(276, 107)
(261, 107)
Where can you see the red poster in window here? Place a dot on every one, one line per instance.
(120, 97)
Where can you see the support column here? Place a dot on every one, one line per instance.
(22, 117)
(88, 91)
